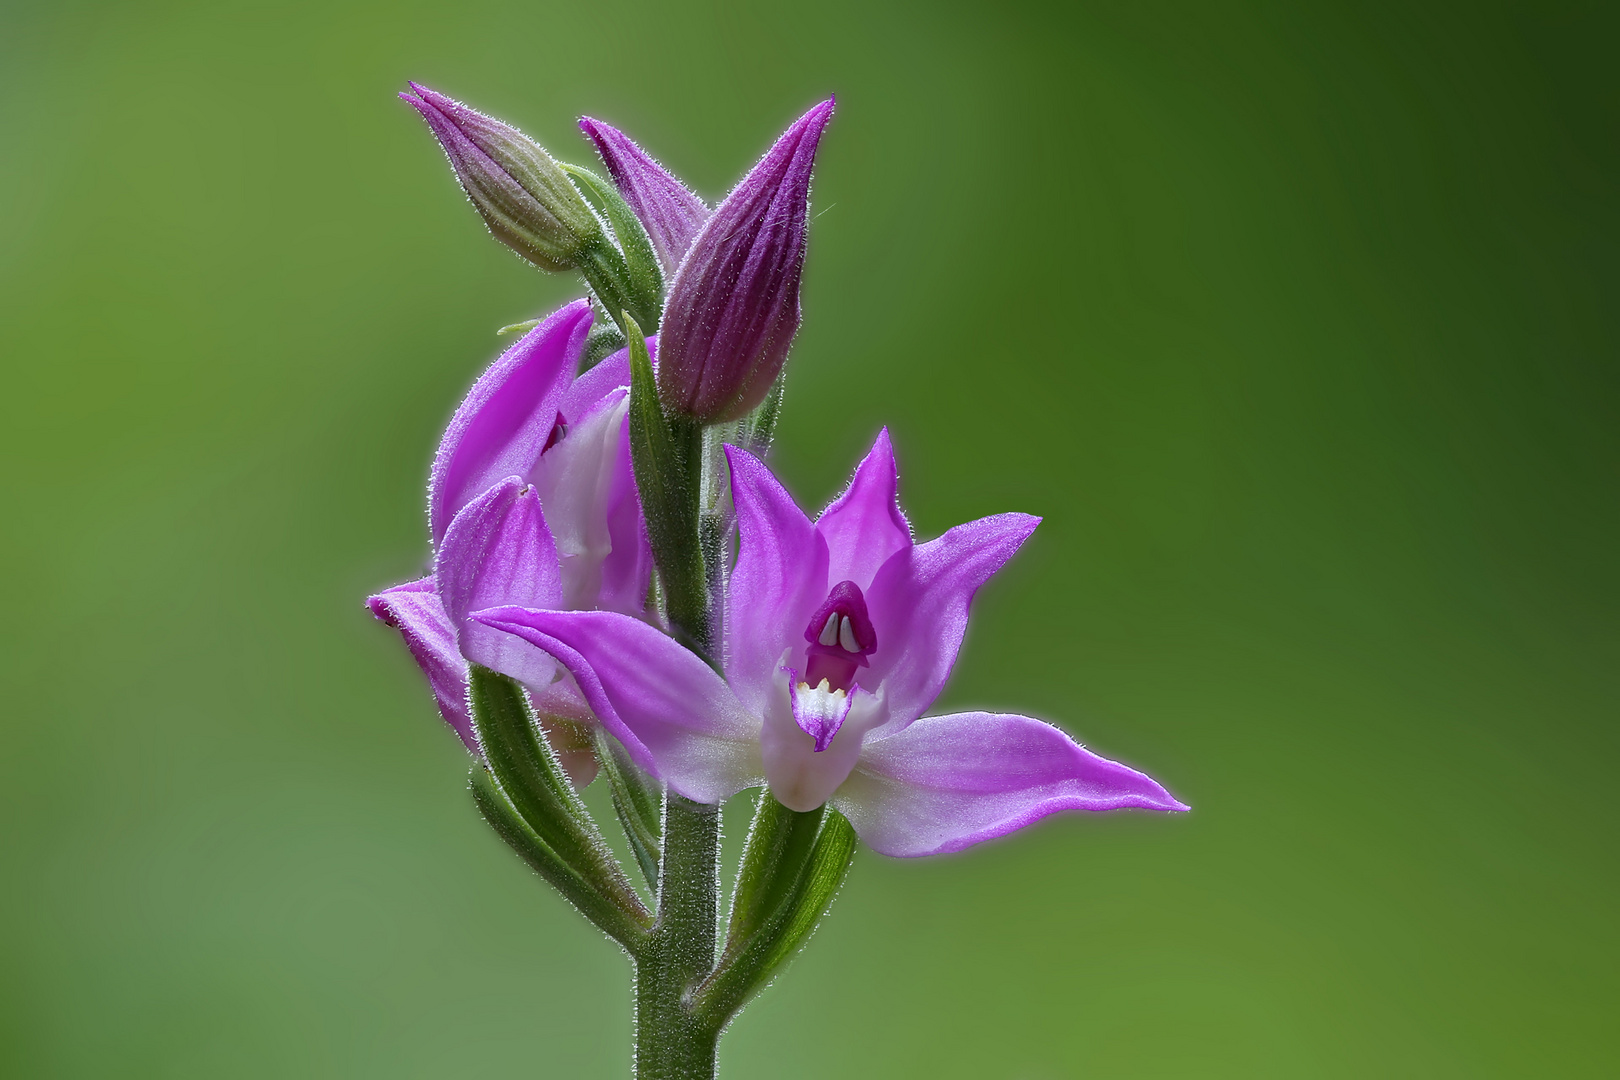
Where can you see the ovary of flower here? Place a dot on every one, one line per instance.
(839, 635)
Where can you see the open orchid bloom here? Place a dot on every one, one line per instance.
(839, 635)
(532, 501)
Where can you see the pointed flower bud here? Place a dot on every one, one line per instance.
(525, 199)
(734, 304)
(671, 214)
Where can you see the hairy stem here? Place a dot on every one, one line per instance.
(674, 1042)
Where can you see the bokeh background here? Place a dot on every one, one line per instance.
(1297, 322)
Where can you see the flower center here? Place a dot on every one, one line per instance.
(841, 637)
(559, 432)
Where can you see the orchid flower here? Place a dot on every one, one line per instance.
(532, 501)
(839, 634)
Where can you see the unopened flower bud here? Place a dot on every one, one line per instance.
(671, 214)
(525, 199)
(734, 304)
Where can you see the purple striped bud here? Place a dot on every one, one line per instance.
(671, 214)
(734, 304)
(525, 199)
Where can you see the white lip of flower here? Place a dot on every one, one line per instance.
(801, 776)
(821, 698)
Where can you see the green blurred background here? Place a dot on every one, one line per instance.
(1297, 322)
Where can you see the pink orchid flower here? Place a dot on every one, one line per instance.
(839, 634)
(532, 501)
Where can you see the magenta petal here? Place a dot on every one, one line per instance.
(563, 701)
(582, 396)
(671, 214)
(502, 426)
(864, 526)
(627, 569)
(780, 577)
(498, 551)
(415, 611)
(674, 715)
(919, 604)
(575, 481)
(948, 782)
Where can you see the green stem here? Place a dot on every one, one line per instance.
(682, 567)
(604, 270)
(668, 457)
(673, 1042)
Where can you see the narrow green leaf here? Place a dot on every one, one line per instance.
(509, 825)
(635, 800)
(643, 275)
(829, 865)
(533, 781)
(666, 457)
(770, 933)
(774, 856)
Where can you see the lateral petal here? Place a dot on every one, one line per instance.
(627, 568)
(675, 716)
(575, 480)
(582, 395)
(919, 605)
(780, 577)
(671, 214)
(501, 427)
(499, 551)
(414, 609)
(948, 782)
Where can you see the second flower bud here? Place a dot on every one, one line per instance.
(523, 196)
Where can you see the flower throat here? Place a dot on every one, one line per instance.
(841, 637)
